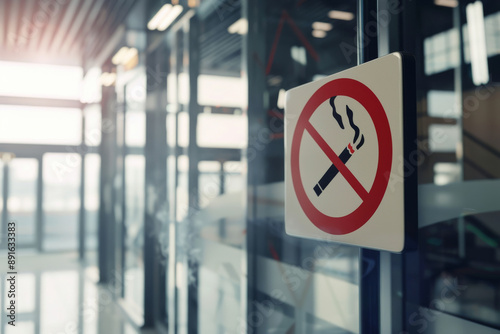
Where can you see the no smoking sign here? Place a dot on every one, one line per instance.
(347, 137)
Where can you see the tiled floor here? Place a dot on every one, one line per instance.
(56, 295)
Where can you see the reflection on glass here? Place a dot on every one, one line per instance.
(134, 229)
(57, 126)
(91, 86)
(171, 188)
(92, 172)
(135, 128)
(135, 93)
(172, 89)
(446, 172)
(59, 296)
(182, 195)
(25, 327)
(1, 194)
(442, 103)
(27, 295)
(443, 138)
(171, 130)
(61, 200)
(37, 80)
(211, 180)
(183, 88)
(93, 125)
(218, 130)
(234, 177)
(460, 274)
(91, 308)
(441, 51)
(21, 203)
(183, 129)
(221, 91)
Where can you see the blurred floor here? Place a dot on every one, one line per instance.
(56, 294)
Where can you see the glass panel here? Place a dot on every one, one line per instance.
(37, 80)
(300, 285)
(25, 327)
(92, 175)
(135, 128)
(134, 229)
(183, 129)
(58, 295)
(57, 126)
(93, 125)
(230, 92)
(459, 139)
(21, 203)
(26, 294)
(91, 86)
(61, 200)
(91, 309)
(2, 166)
(135, 93)
(182, 194)
(214, 130)
(210, 227)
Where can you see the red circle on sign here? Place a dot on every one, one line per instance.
(353, 221)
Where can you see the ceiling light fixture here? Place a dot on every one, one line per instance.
(340, 15)
(170, 17)
(446, 3)
(124, 56)
(108, 79)
(129, 55)
(325, 26)
(319, 33)
(239, 27)
(118, 57)
(159, 16)
(477, 40)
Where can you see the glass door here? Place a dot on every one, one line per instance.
(450, 284)
(19, 183)
(131, 188)
(22, 178)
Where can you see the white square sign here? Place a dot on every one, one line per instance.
(347, 139)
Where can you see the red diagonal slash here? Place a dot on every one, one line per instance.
(350, 178)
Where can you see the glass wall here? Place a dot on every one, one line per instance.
(61, 200)
(92, 167)
(225, 172)
(43, 140)
(21, 204)
(129, 187)
(458, 136)
(294, 284)
(223, 261)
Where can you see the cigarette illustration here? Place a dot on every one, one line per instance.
(346, 153)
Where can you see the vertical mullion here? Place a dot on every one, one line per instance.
(39, 206)
(369, 260)
(38, 300)
(173, 230)
(81, 226)
(5, 194)
(193, 46)
(155, 189)
(254, 47)
(122, 233)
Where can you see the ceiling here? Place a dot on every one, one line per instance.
(58, 31)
